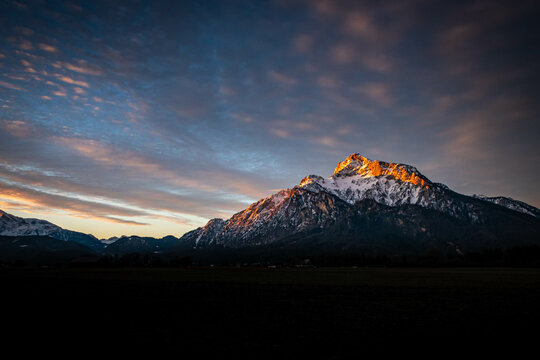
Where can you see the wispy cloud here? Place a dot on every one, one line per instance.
(343, 53)
(16, 127)
(325, 7)
(359, 24)
(303, 43)
(378, 92)
(84, 67)
(47, 47)
(327, 141)
(26, 45)
(328, 81)
(10, 85)
(170, 205)
(281, 78)
(79, 90)
(73, 82)
(42, 199)
(282, 133)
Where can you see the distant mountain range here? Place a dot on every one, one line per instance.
(31, 239)
(366, 206)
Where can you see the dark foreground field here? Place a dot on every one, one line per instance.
(269, 311)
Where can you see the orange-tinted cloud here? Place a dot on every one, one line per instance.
(26, 45)
(47, 47)
(35, 199)
(73, 82)
(327, 141)
(84, 67)
(343, 53)
(79, 90)
(359, 24)
(282, 133)
(10, 85)
(160, 204)
(325, 7)
(16, 127)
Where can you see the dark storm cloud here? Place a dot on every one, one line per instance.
(198, 108)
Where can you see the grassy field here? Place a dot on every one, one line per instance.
(269, 311)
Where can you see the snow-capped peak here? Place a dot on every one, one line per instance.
(357, 178)
(394, 184)
(11, 225)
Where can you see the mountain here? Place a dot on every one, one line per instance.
(371, 206)
(143, 245)
(110, 240)
(11, 225)
(511, 204)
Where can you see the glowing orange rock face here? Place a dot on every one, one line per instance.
(356, 164)
(306, 180)
(255, 211)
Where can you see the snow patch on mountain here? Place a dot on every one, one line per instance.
(511, 204)
(110, 240)
(11, 225)
(383, 189)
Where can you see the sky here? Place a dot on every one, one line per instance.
(152, 117)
